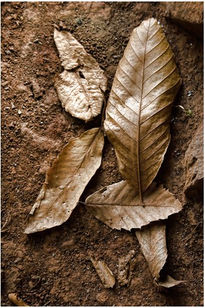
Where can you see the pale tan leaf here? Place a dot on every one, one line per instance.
(82, 84)
(16, 300)
(152, 240)
(169, 282)
(66, 180)
(138, 112)
(119, 207)
(105, 274)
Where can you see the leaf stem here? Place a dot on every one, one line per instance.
(103, 111)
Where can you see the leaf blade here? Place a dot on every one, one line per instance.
(66, 180)
(119, 207)
(82, 84)
(138, 111)
(152, 240)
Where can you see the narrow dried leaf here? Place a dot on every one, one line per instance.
(125, 268)
(169, 282)
(138, 112)
(16, 300)
(105, 274)
(152, 240)
(119, 207)
(81, 85)
(66, 180)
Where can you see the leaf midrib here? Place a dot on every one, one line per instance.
(139, 124)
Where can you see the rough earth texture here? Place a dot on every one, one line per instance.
(53, 268)
(194, 166)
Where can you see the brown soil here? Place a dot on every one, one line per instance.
(53, 268)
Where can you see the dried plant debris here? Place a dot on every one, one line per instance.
(169, 282)
(66, 180)
(138, 112)
(137, 124)
(126, 266)
(13, 297)
(119, 206)
(82, 84)
(105, 274)
(152, 241)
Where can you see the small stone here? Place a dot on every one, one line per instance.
(102, 297)
(189, 93)
(79, 21)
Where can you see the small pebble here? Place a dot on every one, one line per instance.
(189, 93)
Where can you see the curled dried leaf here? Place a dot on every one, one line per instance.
(105, 274)
(169, 282)
(82, 84)
(66, 181)
(138, 112)
(119, 207)
(152, 241)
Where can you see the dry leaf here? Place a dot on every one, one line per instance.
(169, 282)
(125, 268)
(105, 274)
(66, 180)
(13, 297)
(81, 85)
(138, 112)
(152, 241)
(118, 206)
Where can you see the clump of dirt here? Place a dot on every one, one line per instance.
(53, 268)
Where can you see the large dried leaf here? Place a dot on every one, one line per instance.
(138, 111)
(105, 274)
(81, 85)
(152, 241)
(66, 180)
(119, 207)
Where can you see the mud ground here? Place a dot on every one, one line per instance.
(53, 268)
